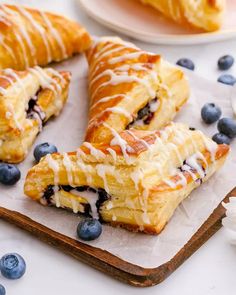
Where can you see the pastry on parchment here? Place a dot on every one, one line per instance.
(204, 14)
(130, 88)
(27, 100)
(31, 37)
(136, 180)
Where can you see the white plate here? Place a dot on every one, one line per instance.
(144, 23)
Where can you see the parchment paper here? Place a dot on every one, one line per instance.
(67, 132)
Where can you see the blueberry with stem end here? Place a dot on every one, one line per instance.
(43, 149)
(89, 229)
(9, 174)
(227, 126)
(210, 113)
(225, 62)
(12, 266)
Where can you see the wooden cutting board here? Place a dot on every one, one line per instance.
(109, 263)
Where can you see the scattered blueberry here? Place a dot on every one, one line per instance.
(210, 113)
(12, 266)
(89, 229)
(221, 138)
(9, 174)
(186, 63)
(227, 79)
(227, 126)
(43, 149)
(2, 290)
(225, 62)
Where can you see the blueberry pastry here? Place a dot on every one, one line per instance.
(30, 37)
(130, 88)
(136, 180)
(203, 14)
(27, 100)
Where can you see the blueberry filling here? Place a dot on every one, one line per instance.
(34, 111)
(187, 168)
(146, 114)
(102, 196)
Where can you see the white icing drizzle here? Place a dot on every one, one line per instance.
(8, 48)
(46, 81)
(193, 162)
(113, 153)
(55, 34)
(69, 168)
(24, 34)
(86, 169)
(139, 139)
(54, 166)
(117, 110)
(57, 199)
(118, 140)
(102, 170)
(126, 56)
(108, 98)
(38, 28)
(94, 152)
(91, 198)
(136, 175)
(12, 73)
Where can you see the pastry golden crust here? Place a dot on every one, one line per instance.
(130, 88)
(31, 37)
(27, 100)
(158, 169)
(204, 14)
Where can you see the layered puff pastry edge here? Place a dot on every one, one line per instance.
(27, 100)
(204, 14)
(130, 88)
(31, 37)
(135, 181)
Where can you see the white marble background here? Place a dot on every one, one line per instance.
(210, 271)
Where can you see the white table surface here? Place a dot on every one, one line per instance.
(210, 271)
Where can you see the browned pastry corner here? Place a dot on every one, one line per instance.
(130, 88)
(158, 170)
(31, 37)
(27, 100)
(203, 14)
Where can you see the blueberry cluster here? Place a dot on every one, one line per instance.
(226, 126)
(12, 267)
(224, 63)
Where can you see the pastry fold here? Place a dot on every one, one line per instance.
(135, 181)
(203, 14)
(130, 88)
(31, 37)
(27, 100)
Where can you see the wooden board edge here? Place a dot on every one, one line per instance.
(111, 264)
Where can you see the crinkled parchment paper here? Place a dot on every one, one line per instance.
(67, 132)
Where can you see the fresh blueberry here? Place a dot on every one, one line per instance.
(221, 138)
(227, 126)
(12, 266)
(2, 290)
(225, 62)
(210, 113)
(89, 229)
(227, 79)
(43, 149)
(186, 63)
(9, 174)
